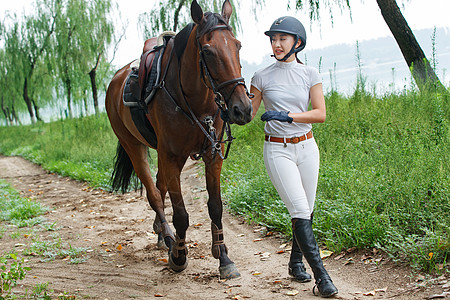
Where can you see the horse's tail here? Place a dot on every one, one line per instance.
(123, 171)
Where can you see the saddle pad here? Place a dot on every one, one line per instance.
(138, 110)
(144, 126)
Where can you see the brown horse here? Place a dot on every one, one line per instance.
(201, 86)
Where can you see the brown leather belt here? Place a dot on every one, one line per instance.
(293, 140)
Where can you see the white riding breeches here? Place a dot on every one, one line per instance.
(294, 170)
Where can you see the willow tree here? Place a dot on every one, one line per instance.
(6, 99)
(174, 14)
(421, 70)
(10, 88)
(101, 35)
(29, 45)
(68, 50)
(84, 31)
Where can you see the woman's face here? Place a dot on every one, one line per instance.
(281, 45)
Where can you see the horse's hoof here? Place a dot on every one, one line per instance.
(174, 266)
(229, 272)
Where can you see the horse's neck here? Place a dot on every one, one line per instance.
(191, 80)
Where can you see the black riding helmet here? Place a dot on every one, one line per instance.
(291, 26)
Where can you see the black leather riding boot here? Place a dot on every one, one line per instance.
(296, 267)
(305, 238)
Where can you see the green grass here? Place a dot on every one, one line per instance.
(19, 211)
(22, 212)
(384, 177)
(383, 180)
(55, 247)
(81, 148)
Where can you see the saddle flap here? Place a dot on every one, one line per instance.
(147, 57)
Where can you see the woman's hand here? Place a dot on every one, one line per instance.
(282, 116)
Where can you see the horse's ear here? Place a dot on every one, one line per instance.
(196, 12)
(227, 9)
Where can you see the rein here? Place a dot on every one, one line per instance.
(216, 142)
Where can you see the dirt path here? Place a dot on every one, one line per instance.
(125, 263)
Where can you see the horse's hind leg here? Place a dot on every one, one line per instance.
(157, 228)
(142, 169)
(157, 222)
(227, 268)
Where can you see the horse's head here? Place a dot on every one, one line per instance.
(219, 62)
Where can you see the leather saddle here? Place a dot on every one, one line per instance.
(139, 86)
(145, 72)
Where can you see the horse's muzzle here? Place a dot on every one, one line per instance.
(240, 112)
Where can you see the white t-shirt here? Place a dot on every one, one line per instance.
(285, 86)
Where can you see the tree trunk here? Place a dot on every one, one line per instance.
(5, 112)
(85, 101)
(69, 97)
(14, 116)
(27, 100)
(36, 110)
(92, 75)
(420, 67)
(177, 12)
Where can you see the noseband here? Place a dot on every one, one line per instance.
(216, 142)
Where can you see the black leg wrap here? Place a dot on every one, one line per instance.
(167, 234)
(217, 241)
(179, 247)
(178, 255)
(305, 238)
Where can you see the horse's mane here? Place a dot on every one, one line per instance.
(181, 39)
(212, 20)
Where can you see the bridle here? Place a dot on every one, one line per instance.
(219, 99)
(216, 88)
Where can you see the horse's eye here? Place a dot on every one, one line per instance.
(207, 50)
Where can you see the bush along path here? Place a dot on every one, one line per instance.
(89, 243)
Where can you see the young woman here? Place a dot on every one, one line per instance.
(291, 155)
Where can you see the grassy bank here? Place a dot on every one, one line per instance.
(384, 177)
(23, 217)
(383, 182)
(81, 148)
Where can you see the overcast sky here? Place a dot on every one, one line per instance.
(367, 24)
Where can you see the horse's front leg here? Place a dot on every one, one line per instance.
(227, 268)
(169, 179)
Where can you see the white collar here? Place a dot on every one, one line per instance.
(286, 65)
